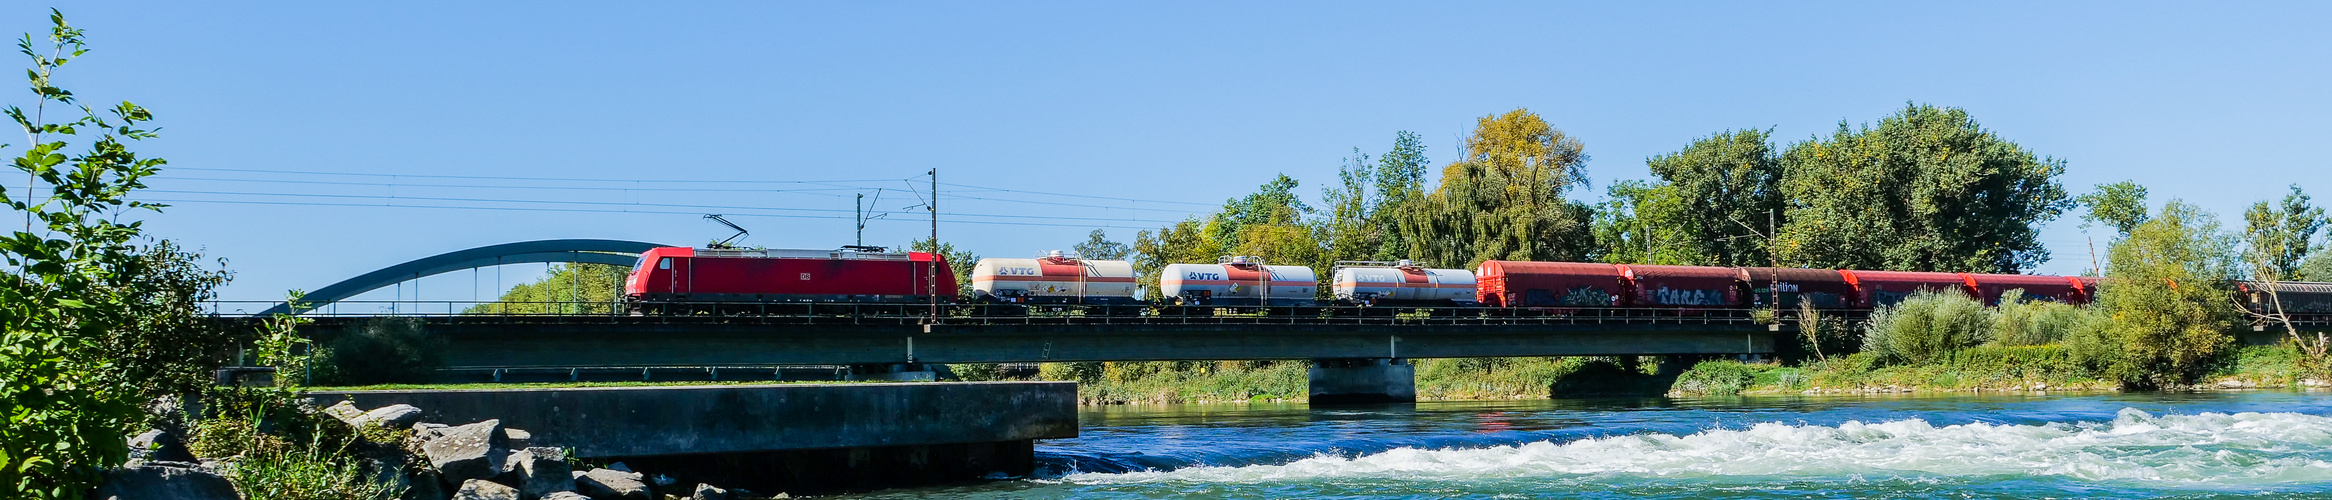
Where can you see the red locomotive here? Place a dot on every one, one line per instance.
(851, 274)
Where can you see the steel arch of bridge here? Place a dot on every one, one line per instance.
(587, 251)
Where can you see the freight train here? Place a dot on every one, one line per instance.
(677, 275)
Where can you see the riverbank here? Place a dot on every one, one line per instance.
(1977, 369)
(1973, 370)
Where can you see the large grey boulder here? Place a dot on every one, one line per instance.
(396, 416)
(164, 481)
(709, 492)
(462, 453)
(159, 446)
(518, 438)
(477, 489)
(344, 411)
(541, 471)
(611, 484)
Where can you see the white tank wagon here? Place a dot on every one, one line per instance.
(1402, 282)
(1239, 281)
(1054, 279)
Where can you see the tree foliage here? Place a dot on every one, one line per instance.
(2277, 237)
(1504, 198)
(577, 288)
(2166, 313)
(1097, 246)
(1400, 187)
(1927, 189)
(2120, 205)
(1644, 222)
(93, 323)
(1726, 190)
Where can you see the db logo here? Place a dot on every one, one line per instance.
(805, 276)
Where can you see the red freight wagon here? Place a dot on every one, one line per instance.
(1681, 286)
(732, 275)
(1990, 288)
(1509, 283)
(1885, 288)
(1825, 287)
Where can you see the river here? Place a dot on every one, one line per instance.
(2207, 445)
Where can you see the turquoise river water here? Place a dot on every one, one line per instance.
(2210, 445)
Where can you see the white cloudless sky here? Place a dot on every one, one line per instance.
(584, 112)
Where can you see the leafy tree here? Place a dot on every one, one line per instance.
(1350, 233)
(1727, 190)
(1097, 246)
(565, 289)
(2278, 236)
(171, 346)
(2318, 268)
(1184, 242)
(1274, 201)
(1927, 189)
(959, 261)
(1504, 199)
(1646, 223)
(84, 310)
(2120, 205)
(1400, 186)
(2166, 312)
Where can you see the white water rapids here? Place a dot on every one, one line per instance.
(2212, 451)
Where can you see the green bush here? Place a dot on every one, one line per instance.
(1086, 372)
(977, 372)
(2166, 319)
(380, 351)
(1927, 326)
(2026, 322)
(1716, 378)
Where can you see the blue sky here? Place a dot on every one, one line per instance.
(2218, 104)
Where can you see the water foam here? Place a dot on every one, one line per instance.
(2210, 449)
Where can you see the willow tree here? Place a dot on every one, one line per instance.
(1503, 199)
(1928, 189)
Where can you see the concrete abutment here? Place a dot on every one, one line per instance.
(1363, 381)
(795, 438)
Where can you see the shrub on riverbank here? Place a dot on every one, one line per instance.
(1926, 326)
(1990, 368)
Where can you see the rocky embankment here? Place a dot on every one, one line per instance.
(431, 461)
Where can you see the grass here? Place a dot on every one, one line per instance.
(1178, 382)
(2261, 366)
(1980, 368)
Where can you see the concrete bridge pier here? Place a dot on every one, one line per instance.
(1363, 381)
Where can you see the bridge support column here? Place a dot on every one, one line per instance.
(1363, 381)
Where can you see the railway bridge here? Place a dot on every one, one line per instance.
(1359, 353)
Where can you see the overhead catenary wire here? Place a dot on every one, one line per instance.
(834, 188)
(605, 211)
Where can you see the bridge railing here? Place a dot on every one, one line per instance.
(870, 313)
